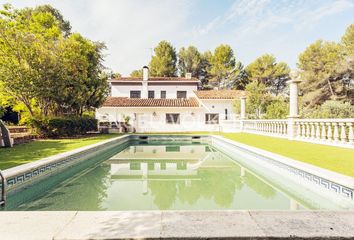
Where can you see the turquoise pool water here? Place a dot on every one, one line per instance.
(162, 175)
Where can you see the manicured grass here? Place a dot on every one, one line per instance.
(32, 151)
(340, 160)
(177, 133)
(337, 159)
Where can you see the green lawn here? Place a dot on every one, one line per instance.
(32, 151)
(333, 158)
(337, 159)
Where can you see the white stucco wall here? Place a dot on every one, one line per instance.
(171, 90)
(154, 119)
(219, 106)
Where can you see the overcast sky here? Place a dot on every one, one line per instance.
(131, 28)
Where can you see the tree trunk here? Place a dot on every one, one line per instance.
(330, 88)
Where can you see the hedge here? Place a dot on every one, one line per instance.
(64, 127)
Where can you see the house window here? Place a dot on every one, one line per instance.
(226, 116)
(151, 166)
(134, 166)
(163, 94)
(135, 94)
(172, 118)
(211, 118)
(172, 148)
(181, 94)
(181, 165)
(151, 94)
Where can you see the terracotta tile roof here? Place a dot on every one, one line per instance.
(177, 79)
(150, 102)
(219, 94)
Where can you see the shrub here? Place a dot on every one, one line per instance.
(2, 111)
(64, 127)
(331, 109)
(277, 109)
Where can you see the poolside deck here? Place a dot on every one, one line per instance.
(177, 225)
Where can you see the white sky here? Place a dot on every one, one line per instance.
(130, 28)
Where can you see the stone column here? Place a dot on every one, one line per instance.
(242, 111)
(293, 104)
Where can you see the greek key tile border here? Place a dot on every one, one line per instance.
(322, 182)
(14, 181)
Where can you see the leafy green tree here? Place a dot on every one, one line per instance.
(266, 70)
(25, 45)
(318, 65)
(277, 109)
(190, 61)
(348, 40)
(257, 100)
(330, 109)
(345, 69)
(163, 63)
(222, 63)
(137, 73)
(64, 25)
(38, 61)
(236, 78)
(115, 75)
(205, 75)
(84, 86)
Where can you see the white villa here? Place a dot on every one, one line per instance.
(166, 104)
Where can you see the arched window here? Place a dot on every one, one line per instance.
(226, 117)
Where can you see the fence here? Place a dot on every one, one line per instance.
(335, 132)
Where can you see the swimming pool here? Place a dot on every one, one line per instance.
(172, 173)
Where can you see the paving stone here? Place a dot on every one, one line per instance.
(303, 224)
(209, 224)
(32, 225)
(177, 225)
(113, 225)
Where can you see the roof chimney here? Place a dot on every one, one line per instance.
(189, 75)
(145, 73)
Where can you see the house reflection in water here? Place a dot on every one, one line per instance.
(168, 162)
(190, 176)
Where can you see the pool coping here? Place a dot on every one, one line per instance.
(224, 224)
(18, 176)
(177, 225)
(335, 177)
(46, 160)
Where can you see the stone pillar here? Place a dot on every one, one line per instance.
(242, 111)
(293, 104)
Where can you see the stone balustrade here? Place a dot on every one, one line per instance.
(335, 132)
(272, 127)
(328, 131)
